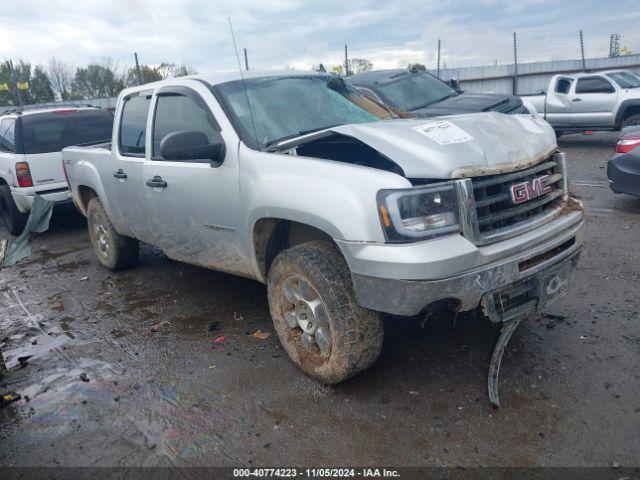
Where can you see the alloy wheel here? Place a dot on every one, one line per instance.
(307, 313)
(101, 237)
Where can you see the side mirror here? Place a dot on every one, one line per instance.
(455, 84)
(193, 146)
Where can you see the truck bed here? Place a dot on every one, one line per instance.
(101, 145)
(97, 152)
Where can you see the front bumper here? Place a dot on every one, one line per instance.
(478, 271)
(57, 193)
(623, 171)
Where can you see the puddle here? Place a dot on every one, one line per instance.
(44, 344)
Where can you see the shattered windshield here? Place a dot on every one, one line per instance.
(625, 79)
(415, 91)
(285, 107)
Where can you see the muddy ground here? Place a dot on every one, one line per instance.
(171, 395)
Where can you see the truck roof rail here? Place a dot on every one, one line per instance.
(20, 110)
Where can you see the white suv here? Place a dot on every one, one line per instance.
(30, 159)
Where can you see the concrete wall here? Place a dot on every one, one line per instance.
(532, 77)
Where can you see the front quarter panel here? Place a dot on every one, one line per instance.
(335, 197)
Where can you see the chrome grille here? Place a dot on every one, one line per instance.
(493, 216)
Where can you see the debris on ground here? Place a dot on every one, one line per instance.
(24, 361)
(38, 222)
(554, 316)
(156, 327)
(260, 335)
(220, 339)
(84, 377)
(213, 326)
(8, 397)
(237, 317)
(84, 278)
(4, 244)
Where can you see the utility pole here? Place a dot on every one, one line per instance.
(584, 63)
(346, 61)
(515, 63)
(439, 43)
(614, 45)
(138, 72)
(15, 84)
(246, 60)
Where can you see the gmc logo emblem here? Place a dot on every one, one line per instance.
(525, 191)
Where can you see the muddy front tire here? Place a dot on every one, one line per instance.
(14, 219)
(115, 251)
(314, 310)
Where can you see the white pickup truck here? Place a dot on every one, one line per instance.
(608, 100)
(31, 140)
(281, 178)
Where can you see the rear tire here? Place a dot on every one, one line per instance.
(14, 219)
(631, 120)
(114, 251)
(311, 284)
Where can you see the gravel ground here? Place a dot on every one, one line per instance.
(125, 372)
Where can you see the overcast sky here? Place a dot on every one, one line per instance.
(290, 33)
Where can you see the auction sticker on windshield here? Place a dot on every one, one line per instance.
(443, 132)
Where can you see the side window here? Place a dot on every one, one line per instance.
(179, 113)
(563, 85)
(7, 135)
(133, 126)
(594, 85)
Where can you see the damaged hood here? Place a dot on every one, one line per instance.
(472, 102)
(460, 145)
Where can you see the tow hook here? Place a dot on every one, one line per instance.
(508, 328)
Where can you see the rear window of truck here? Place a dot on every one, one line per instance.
(133, 125)
(7, 135)
(53, 131)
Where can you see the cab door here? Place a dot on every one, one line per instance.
(593, 101)
(558, 103)
(193, 206)
(123, 182)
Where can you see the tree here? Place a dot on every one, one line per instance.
(21, 74)
(7, 97)
(172, 70)
(416, 67)
(358, 65)
(97, 81)
(61, 77)
(148, 74)
(40, 86)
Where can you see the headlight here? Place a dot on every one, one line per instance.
(416, 214)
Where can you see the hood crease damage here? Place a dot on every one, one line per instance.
(471, 145)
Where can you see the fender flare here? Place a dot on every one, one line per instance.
(622, 110)
(86, 175)
(285, 214)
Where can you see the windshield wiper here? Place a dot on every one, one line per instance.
(275, 142)
(425, 105)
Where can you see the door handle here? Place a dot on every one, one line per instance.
(576, 100)
(119, 174)
(156, 182)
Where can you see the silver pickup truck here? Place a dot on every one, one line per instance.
(284, 178)
(608, 100)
